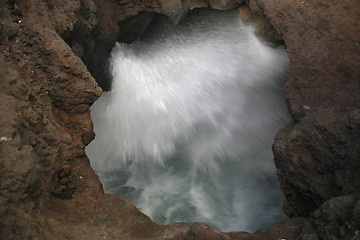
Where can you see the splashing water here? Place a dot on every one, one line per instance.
(186, 131)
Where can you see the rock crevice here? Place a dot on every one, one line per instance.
(50, 53)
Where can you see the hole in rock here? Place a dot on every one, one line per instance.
(186, 131)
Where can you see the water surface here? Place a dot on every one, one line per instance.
(186, 131)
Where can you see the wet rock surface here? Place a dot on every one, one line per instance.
(48, 189)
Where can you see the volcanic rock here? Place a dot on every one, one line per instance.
(50, 53)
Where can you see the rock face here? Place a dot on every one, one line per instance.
(176, 9)
(225, 4)
(47, 187)
(46, 91)
(318, 156)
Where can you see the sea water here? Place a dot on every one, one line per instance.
(186, 131)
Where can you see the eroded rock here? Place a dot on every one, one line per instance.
(339, 217)
(322, 158)
(225, 4)
(46, 91)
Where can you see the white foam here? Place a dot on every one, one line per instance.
(211, 97)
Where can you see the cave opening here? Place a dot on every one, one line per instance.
(185, 132)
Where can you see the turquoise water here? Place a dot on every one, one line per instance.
(186, 131)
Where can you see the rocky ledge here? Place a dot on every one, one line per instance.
(49, 50)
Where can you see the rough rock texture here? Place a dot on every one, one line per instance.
(225, 4)
(176, 9)
(45, 95)
(47, 187)
(339, 217)
(263, 27)
(94, 29)
(318, 157)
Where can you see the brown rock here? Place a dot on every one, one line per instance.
(175, 9)
(317, 158)
(46, 91)
(245, 13)
(339, 218)
(198, 4)
(263, 27)
(16, 10)
(225, 4)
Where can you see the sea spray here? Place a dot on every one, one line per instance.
(186, 131)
